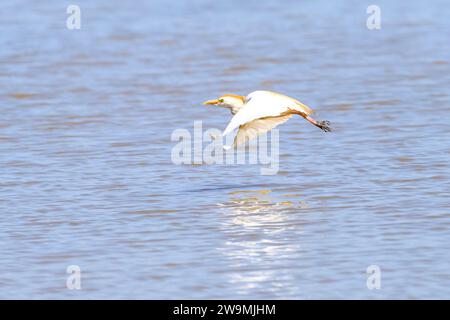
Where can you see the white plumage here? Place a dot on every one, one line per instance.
(261, 111)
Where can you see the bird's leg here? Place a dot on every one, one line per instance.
(324, 125)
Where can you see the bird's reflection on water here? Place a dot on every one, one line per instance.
(258, 242)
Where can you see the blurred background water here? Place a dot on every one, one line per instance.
(86, 176)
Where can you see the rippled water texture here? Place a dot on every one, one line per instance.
(86, 176)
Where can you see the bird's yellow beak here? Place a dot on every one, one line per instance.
(213, 102)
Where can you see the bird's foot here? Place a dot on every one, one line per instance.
(324, 125)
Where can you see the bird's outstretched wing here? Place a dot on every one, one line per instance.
(259, 104)
(256, 127)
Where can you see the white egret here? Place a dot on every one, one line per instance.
(261, 111)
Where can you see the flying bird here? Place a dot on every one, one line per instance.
(261, 111)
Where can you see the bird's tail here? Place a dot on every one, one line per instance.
(303, 108)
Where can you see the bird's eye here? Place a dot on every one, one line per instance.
(221, 100)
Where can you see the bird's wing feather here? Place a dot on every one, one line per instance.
(259, 104)
(288, 101)
(256, 127)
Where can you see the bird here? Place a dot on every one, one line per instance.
(261, 111)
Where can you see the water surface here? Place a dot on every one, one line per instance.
(86, 176)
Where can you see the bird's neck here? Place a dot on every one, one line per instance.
(234, 107)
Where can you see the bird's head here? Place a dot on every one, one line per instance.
(233, 102)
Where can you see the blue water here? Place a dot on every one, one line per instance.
(86, 176)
